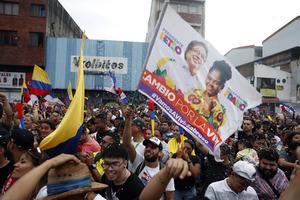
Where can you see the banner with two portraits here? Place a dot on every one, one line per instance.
(194, 84)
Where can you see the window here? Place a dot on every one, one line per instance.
(266, 83)
(9, 8)
(36, 39)
(258, 52)
(37, 10)
(8, 38)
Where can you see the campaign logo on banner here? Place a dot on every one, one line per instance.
(97, 64)
(194, 84)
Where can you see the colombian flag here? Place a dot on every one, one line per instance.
(40, 84)
(25, 93)
(65, 138)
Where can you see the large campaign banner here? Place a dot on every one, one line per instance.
(193, 83)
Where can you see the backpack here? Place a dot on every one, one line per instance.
(141, 166)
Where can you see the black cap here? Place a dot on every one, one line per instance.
(23, 138)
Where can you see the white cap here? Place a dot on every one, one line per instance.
(245, 170)
(153, 140)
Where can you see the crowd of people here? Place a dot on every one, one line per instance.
(120, 157)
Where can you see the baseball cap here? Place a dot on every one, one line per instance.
(245, 170)
(23, 138)
(153, 140)
(139, 123)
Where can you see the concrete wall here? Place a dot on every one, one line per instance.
(60, 23)
(284, 39)
(241, 56)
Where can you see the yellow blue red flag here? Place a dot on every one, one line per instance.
(25, 93)
(40, 84)
(66, 137)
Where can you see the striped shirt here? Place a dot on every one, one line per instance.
(264, 191)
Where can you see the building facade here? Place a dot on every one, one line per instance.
(24, 27)
(124, 59)
(277, 73)
(192, 11)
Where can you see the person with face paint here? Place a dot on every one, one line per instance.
(270, 180)
(206, 102)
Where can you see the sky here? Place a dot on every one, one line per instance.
(228, 23)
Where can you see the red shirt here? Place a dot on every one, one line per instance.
(90, 146)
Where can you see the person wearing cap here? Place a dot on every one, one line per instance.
(147, 166)
(236, 186)
(270, 180)
(20, 141)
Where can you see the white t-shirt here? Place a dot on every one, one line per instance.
(147, 173)
(220, 190)
(139, 149)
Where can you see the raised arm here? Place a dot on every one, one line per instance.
(127, 134)
(202, 148)
(157, 185)
(7, 110)
(26, 185)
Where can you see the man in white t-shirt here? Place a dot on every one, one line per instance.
(145, 165)
(236, 186)
(148, 166)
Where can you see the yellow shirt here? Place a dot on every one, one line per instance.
(214, 112)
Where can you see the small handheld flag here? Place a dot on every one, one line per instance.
(152, 114)
(112, 89)
(123, 97)
(287, 108)
(25, 93)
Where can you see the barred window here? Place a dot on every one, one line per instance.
(37, 10)
(8, 38)
(7, 8)
(36, 39)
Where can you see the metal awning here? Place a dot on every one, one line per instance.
(270, 100)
